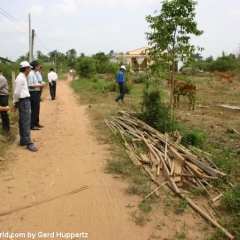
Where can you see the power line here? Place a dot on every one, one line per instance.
(41, 43)
(13, 19)
(12, 45)
(14, 51)
(14, 28)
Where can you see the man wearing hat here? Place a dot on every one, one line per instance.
(21, 102)
(121, 81)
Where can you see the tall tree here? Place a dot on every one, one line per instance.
(171, 32)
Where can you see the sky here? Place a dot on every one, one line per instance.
(92, 26)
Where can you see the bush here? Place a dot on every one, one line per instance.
(188, 71)
(156, 113)
(224, 64)
(194, 137)
(231, 201)
(86, 67)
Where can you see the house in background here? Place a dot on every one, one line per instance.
(5, 60)
(137, 60)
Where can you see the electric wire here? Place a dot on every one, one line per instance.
(13, 19)
(41, 43)
(14, 51)
(14, 28)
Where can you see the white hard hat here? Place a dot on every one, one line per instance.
(123, 67)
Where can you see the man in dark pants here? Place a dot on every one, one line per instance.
(4, 95)
(34, 90)
(52, 78)
(121, 81)
(21, 102)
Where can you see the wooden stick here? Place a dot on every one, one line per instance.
(162, 184)
(216, 198)
(206, 216)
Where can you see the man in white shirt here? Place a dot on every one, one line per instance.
(52, 78)
(21, 102)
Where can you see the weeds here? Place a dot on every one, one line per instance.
(182, 234)
(156, 113)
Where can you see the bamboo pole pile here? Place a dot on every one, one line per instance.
(168, 163)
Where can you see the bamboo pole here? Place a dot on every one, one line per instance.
(207, 217)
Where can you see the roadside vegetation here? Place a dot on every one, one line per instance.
(148, 94)
(149, 97)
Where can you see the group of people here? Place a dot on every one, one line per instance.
(26, 98)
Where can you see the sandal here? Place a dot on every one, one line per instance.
(31, 147)
(35, 128)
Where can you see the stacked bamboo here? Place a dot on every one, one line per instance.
(167, 162)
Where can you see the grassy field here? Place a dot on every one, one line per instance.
(209, 123)
(210, 126)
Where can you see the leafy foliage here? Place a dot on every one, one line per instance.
(155, 112)
(172, 29)
(223, 64)
(194, 137)
(86, 67)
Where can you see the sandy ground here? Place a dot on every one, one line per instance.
(35, 189)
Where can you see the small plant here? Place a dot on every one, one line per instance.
(231, 202)
(156, 113)
(194, 137)
(139, 219)
(132, 189)
(182, 234)
(145, 206)
(181, 206)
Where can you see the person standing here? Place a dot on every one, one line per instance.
(21, 102)
(121, 82)
(4, 96)
(52, 78)
(34, 90)
(40, 79)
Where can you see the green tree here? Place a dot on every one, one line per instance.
(86, 67)
(71, 57)
(112, 54)
(209, 59)
(101, 62)
(224, 64)
(171, 32)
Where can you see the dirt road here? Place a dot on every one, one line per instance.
(69, 160)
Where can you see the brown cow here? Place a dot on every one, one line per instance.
(184, 88)
(228, 76)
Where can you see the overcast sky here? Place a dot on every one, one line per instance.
(90, 26)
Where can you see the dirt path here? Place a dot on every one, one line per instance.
(69, 158)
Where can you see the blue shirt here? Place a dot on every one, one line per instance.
(120, 77)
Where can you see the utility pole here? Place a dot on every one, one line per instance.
(30, 45)
(55, 60)
(33, 35)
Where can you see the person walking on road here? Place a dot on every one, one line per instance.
(21, 102)
(121, 82)
(4, 96)
(52, 78)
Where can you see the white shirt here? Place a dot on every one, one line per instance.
(20, 88)
(52, 76)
